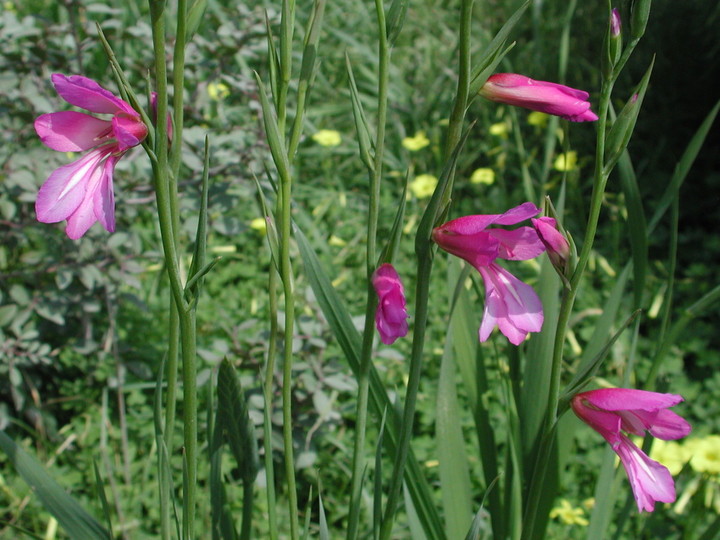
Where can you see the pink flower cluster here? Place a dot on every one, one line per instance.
(391, 314)
(510, 304)
(82, 191)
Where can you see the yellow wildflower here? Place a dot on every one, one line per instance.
(218, 91)
(327, 137)
(705, 454)
(336, 241)
(423, 185)
(538, 119)
(483, 176)
(569, 515)
(669, 453)
(416, 142)
(501, 129)
(566, 161)
(259, 224)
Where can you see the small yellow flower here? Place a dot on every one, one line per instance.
(705, 454)
(670, 453)
(259, 224)
(423, 185)
(501, 129)
(327, 137)
(416, 142)
(336, 241)
(566, 162)
(218, 91)
(569, 515)
(483, 176)
(223, 249)
(538, 119)
(430, 463)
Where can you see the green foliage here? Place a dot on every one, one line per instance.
(83, 325)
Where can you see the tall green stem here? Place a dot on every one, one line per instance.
(267, 393)
(371, 261)
(287, 281)
(167, 203)
(421, 310)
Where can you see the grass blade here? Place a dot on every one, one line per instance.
(72, 517)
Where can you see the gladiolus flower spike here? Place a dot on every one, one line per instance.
(616, 413)
(547, 97)
(391, 314)
(82, 191)
(510, 304)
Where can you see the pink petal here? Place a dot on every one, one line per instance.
(520, 244)
(548, 97)
(104, 197)
(64, 190)
(129, 131)
(663, 424)
(71, 131)
(84, 216)
(391, 314)
(86, 93)
(511, 304)
(621, 399)
(650, 481)
(605, 423)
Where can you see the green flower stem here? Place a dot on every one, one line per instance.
(287, 281)
(178, 91)
(358, 466)
(569, 294)
(422, 287)
(287, 24)
(457, 116)
(424, 254)
(267, 393)
(171, 370)
(166, 197)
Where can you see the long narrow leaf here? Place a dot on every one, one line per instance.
(72, 517)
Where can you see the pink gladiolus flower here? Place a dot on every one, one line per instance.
(547, 97)
(82, 191)
(510, 304)
(613, 412)
(556, 245)
(391, 315)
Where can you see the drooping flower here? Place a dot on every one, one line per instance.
(510, 304)
(391, 314)
(547, 97)
(616, 412)
(82, 191)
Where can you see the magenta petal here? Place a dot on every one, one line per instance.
(511, 304)
(86, 93)
(104, 196)
(664, 424)
(71, 131)
(649, 480)
(519, 244)
(622, 399)
(129, 131)
(391, 314)
(84, 216)
(64, 190)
